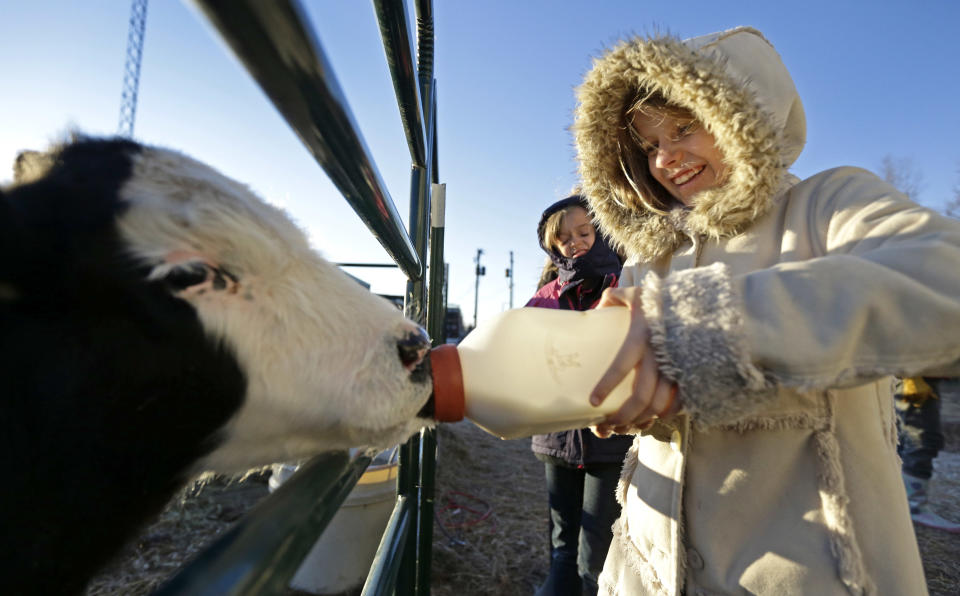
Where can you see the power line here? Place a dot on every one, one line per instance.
(131, 70)
(510, 276)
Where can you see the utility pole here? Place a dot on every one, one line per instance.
(510, 276)
(131, 69)
(476, 290)
(446, 284)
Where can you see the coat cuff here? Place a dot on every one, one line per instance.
(699, 341)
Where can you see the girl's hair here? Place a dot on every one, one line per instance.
(551, 230)
(638, 184)
(549, 273)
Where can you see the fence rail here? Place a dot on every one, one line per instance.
(278, 48)
(276, 45)
(262, 551)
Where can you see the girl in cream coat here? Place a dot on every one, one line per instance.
(769, 315)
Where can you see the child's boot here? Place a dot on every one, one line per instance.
(920, 507)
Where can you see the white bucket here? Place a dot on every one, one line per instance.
(340, 560)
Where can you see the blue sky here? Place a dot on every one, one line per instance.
(877, 78)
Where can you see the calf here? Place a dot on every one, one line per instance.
(157, 319)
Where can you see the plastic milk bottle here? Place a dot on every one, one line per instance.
(531, 370)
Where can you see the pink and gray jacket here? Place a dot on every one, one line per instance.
(578, 286)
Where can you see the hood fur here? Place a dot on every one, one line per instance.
(735, 83)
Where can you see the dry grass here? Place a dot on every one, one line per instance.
(937, 548)
(490, 535)
(189, 522)
(506, 553)
(508, 473)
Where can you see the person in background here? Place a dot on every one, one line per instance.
(582, 469)
(918, 402)
(768, 317)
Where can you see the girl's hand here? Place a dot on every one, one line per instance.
(653, 396)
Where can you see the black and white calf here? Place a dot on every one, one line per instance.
(156, 320)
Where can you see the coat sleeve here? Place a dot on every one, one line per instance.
(883, 299)
(545, 296)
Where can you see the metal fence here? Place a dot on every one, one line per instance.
(279, 49)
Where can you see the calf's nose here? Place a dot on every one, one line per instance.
(412, 347)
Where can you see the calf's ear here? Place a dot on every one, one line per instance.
(31, 166)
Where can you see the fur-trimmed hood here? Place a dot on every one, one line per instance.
(735, 83)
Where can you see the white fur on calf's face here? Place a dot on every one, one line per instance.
(319, 351)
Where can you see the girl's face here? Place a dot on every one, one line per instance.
(576, 233)
(683, 157)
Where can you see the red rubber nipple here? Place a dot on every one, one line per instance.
(448, 401)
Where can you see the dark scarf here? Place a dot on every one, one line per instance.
(591, 269)
(599, 261)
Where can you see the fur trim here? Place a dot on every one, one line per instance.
(745, 131)
(795, 420)
(835, 508)
(634, 557)
(643, 572)
(698, 340)
(888, 415)
(630, 462)
(843, 540)
(892, 432)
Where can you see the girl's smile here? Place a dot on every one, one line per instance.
(686, 175)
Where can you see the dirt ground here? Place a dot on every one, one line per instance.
(508, 555)
(490, 531)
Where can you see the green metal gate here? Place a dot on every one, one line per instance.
(273, 40)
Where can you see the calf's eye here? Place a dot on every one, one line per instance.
(181, 278)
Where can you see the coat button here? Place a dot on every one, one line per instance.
(694, 559)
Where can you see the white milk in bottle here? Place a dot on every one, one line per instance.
(531, 370)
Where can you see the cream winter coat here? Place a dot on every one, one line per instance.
(781, 308)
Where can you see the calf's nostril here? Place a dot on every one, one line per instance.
(412, 347)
